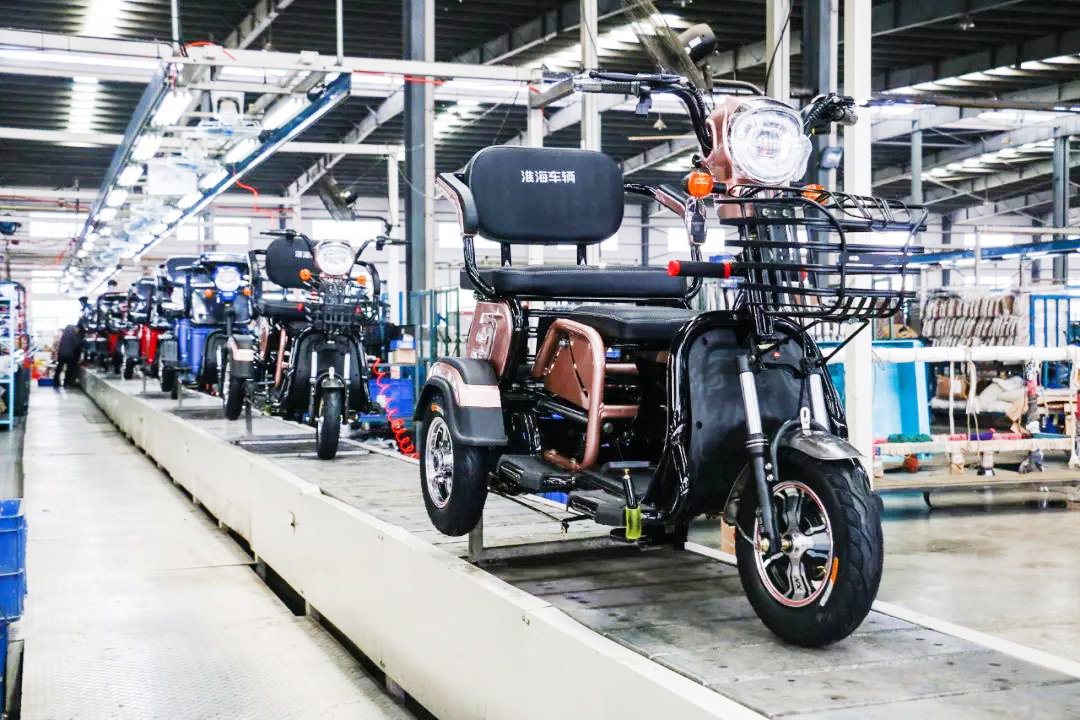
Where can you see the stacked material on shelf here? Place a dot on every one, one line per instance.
(952, 318)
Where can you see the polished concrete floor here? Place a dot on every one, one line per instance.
(1007, 564)
(141, 607)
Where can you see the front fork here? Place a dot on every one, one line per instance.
(757, 445)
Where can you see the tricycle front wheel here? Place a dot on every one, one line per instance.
(819, 584)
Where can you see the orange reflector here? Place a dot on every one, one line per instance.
(813, 191)
(361, 279)
(208, 294)
(699, 184)
(305, 275)
(835, 569)
(246, 291)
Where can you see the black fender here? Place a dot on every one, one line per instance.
(815, 444)
(242, 356)
(470, 395)
(331, 383)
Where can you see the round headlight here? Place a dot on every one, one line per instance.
(334, 258)
(227, 278)
(766, 143)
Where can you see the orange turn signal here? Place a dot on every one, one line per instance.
(813, 191)
(246, 291)
(305, 275)
(208, 294)
(700, 184)
(361, 279)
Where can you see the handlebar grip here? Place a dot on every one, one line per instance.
(607, 87)
(684, 268)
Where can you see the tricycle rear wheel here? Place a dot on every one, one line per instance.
(820, 584)
(453, 476)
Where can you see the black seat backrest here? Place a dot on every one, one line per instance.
(545, 195)
(176, 269)
(286, 256)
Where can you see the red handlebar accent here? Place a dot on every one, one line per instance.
(674, 268)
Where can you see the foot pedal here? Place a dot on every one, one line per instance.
(534, 473)
(604, 508)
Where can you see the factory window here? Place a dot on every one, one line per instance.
(678, 241)
(228, 234)
(355, 232)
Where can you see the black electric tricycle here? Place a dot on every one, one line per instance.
(603, 383)
(313, 302)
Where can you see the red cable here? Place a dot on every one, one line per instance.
(255, 201)
(204, 43)
(397, 425)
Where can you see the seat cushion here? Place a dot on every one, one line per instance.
(580, 281)
(633, 323)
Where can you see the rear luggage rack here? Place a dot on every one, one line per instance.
(795, 260)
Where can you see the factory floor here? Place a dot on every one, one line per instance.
(1004, 563)
(140, 607)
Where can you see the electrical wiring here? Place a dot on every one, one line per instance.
(406, 446)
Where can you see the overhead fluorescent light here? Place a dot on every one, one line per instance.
(146, 147)
(188, 200)
(172, 216)
(84, 80)
(129, 175)
(106, 215)
(116, 197)
(284, 111)
(158, 228)
(241, 150)
(171, 107)
(209, 181)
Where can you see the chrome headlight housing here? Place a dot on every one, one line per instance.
(766, 143)
(334, 257)
(227, 278)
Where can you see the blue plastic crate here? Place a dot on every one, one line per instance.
(399, 391)
(12, 559)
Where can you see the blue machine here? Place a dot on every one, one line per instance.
(901, 397)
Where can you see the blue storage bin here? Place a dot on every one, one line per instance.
(399, 391)
(12, 559)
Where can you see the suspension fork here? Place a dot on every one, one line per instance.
(757, 449)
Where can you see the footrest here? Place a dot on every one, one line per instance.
(604, 508)
(534, 473)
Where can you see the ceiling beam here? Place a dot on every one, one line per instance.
(256, 22)
(980, 187)
(1010, 139)
(112, 139)
(500, 49)
(928, 118)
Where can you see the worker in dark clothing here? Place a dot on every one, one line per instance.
(67, 357)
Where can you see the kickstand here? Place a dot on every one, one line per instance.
(476, 542)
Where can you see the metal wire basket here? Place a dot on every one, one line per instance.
(795, 259)
(341, 306)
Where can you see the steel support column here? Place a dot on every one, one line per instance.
(419, 38)
(534, 132)
(819, 57)
(858, 365)
(916, 163)
(778, 49)
(946, 239)
(646, 213)
(1060, 190)
(590, 108)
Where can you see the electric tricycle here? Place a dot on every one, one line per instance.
(603, 383)
(312, 306)
(110, 328)
(140, 340)
(215, 309)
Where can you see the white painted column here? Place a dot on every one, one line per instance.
(778, 49)
(534, 133)
(429, 147)
(858, 366)
(393, 279)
